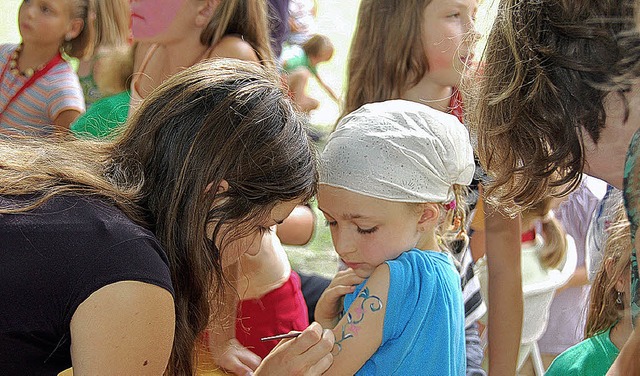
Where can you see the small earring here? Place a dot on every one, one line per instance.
(619, 299)
(67, 38)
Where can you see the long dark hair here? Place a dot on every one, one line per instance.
(214, 121)
(217, 120)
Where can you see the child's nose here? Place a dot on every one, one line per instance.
(344, 245)
(29, 10)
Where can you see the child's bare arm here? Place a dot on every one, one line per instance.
(359, 332)
(505, 292)
(64, 119)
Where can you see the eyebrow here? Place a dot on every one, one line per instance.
(347, 216)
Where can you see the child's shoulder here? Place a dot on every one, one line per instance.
(63, 71)
(291, 51)
(233, 46)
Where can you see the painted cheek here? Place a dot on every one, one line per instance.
(152, 18)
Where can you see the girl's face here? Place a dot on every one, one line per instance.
(251, 243)
(449, 36)
(45, 22)
(150, 19)
(368, 231)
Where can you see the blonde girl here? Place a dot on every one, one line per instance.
(543, 245)
(391, 190)
(609, 320)
(111, 20)
(552, 240)
(39, 91)
(418, 50)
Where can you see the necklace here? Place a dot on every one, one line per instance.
(13, 64)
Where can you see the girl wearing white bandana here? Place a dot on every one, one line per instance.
(392, 178)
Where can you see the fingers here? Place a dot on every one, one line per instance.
(346, 277)
(238, 359)
(321, 366)
(316, 357)
(308, 338)
(320, 354)
(337, 292)
(308, 354)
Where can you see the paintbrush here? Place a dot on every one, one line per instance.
(281, 336)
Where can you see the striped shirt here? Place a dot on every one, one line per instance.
(474, 306)
(33, 112)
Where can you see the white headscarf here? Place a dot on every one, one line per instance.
(399, 151)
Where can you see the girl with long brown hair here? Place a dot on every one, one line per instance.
(113, 252)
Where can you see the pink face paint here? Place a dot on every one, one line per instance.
(150, 18)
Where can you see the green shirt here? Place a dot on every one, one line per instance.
(591, 357)
(297, 59)
(103, 117)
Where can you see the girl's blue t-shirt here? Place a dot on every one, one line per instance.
(423, 330)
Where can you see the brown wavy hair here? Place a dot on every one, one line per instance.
(245, 18)
(387, 54)
(604, 311)
(545, 71)
(196, 129)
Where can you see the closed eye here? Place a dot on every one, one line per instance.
(368, 230)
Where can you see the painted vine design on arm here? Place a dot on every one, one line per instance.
(351, 328)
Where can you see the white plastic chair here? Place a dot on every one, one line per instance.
(537, 300)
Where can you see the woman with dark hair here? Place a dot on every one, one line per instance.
(112, 253)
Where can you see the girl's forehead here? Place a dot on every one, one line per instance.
(347, 203)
